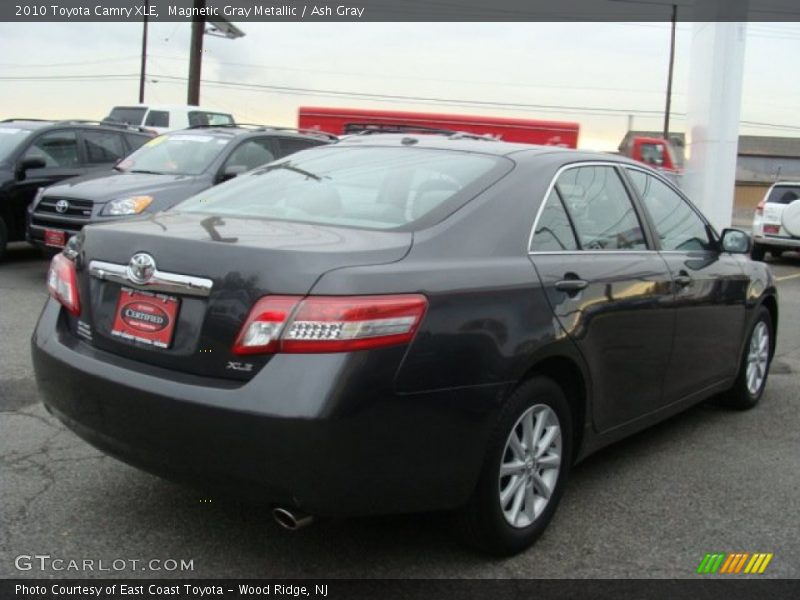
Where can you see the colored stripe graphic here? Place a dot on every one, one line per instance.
(734, 563)
(728, 563)
(740, 564)
(764, 564)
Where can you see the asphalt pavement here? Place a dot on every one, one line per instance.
(708, 480)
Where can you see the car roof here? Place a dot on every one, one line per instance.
(456, 141)
(29, 124)
(35, 124)
(243, 129)
(480, 144)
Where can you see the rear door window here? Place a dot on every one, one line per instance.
(601, 209)
(102, 146)
(58, 149)
(554, 231)
(252, 153)
(677, 224)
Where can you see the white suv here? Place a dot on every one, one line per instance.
(161, 119)
(776, 224)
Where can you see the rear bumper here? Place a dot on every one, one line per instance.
(776, 241)
(312, 431)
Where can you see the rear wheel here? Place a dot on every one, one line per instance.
(758, 252)
(776, 253)
(525, 469)
(752, 377)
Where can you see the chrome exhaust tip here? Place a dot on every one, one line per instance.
(291, 519)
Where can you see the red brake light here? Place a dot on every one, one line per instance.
(62, 283)
(760, 207)
(330, 323)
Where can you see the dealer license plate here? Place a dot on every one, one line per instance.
(145, 317)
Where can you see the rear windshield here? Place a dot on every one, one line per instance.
(132, 115)
(202, 117)
(368, 187)
(175, 154)
(10, 139)
(784, 194)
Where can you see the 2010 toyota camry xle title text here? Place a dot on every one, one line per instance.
(403, 322)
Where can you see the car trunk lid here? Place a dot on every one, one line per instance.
(213, 271)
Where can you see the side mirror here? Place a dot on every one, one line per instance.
(29, 163)
(232, 171)
(735, 241)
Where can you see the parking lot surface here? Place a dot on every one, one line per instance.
(708, 480)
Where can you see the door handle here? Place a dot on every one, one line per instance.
(683, 279)
(571, 286)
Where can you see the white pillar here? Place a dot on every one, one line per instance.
(712, 127)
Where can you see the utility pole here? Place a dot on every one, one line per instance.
(669, 74)
(144, 52)
(196, 52)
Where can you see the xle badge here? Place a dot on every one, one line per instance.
(238, 366)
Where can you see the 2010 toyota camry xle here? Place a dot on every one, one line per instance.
(403, 322)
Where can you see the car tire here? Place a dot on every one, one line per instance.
(754, 369)
(531, 412)
(758, 252)
(3, 238)
(776, 253)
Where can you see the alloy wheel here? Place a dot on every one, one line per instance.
(757, 358)
(530, 465)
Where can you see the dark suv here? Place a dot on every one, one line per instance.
(36, 153)
(165, 171)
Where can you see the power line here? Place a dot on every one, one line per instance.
(420, 99)
(287, 90)
(68, 64)
(418, 78)
(107, 76)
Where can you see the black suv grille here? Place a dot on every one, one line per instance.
(72, 216)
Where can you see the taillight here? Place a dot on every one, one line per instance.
(760, 208)
(292, 324)
(62, 283)
(262, 330)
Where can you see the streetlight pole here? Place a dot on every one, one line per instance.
(669, 74)
(196, 53)
(220, 28)
(144, 52)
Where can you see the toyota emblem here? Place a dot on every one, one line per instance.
(141, 268)
(62, 206)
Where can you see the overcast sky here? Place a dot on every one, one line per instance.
(598, 73)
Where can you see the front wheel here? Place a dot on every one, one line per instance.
(754, 369)
(526, 466)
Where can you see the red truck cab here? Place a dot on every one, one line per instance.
(653, 151)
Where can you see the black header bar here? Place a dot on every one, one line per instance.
(244, 11)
